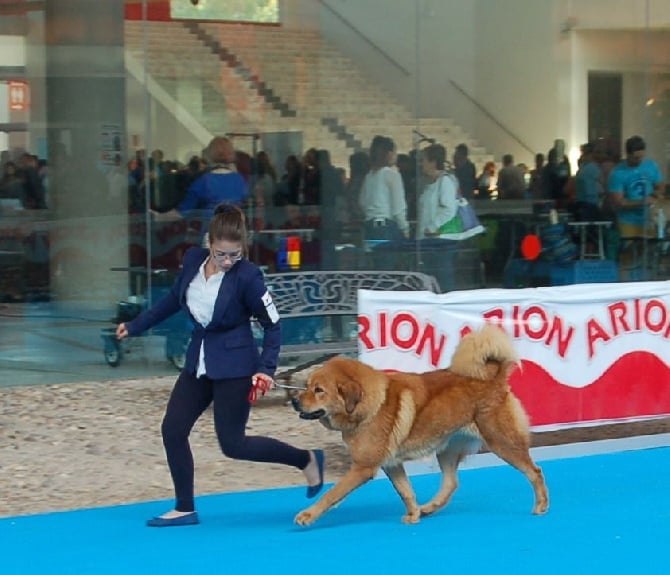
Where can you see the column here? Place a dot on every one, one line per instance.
(86, 138)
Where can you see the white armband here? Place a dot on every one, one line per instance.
(270, 308)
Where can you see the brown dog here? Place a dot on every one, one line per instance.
(386, 419)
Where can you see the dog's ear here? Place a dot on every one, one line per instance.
(351, 392)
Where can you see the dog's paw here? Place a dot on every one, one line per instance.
(541, 508)
(413, 517)
(428, 509)
(305, 517)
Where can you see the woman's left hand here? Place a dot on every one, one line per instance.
(260, 385)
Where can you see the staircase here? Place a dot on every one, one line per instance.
(266, 79)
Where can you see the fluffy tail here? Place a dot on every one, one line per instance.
(484, 354)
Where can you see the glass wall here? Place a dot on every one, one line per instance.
(107, 110)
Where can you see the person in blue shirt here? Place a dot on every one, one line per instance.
(221, 290)
(589, 186)
(221, 182)
(633, 185)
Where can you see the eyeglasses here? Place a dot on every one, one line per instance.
(231, 256)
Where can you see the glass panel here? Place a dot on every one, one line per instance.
(260, 11)
(108, 131)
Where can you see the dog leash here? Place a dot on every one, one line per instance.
(298, 368)
(287, 386)
(254, 392)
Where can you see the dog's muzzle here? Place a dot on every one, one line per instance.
(318, 414)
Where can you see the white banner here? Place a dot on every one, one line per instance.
(589, 351)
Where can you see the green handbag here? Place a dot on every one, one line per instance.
(453, 226)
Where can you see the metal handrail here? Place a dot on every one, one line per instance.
(490, 115)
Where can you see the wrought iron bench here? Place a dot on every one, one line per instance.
(318, 310)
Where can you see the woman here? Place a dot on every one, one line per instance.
(383, 200)
(221, 290)
(264, 185)
(486, 182)
(221, 182)
(438, 201)
(11, 185)
(438, 206)
(288, 188)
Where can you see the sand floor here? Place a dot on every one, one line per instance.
(94, 444)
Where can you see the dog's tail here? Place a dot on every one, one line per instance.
(485, 354)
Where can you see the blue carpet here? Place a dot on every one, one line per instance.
(609, 514)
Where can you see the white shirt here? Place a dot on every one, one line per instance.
(437, 205)
(201, 297)
(383, 197)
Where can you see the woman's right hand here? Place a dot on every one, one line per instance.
(121, 331)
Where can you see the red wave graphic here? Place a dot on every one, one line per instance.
(637, 384)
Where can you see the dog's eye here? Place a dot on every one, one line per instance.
(318, 389)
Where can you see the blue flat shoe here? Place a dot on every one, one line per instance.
(190, 519)
(313, 490)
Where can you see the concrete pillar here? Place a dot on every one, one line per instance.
(85, 127)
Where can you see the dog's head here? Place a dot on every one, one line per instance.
(336, 392)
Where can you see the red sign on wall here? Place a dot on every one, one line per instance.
(18, 96)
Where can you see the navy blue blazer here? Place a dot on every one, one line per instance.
(230, 348)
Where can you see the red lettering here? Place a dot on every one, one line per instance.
(494, 314)
(557, 331)
(382, 329)
(465, 331)
(396, 331)
(542, 328)
(516, 323)
(657, 326)
(405, 332)
(595, 332)
(637, 314)
(618, 317)
(364, 331)
(428, 337)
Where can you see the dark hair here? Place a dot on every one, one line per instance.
(380, 147)
(635, 144)
(436, 153)
(462, 149)
(194, 164)
(588, 148)
(359, 163)
(229, 224)
(264, 165)
(323, 159)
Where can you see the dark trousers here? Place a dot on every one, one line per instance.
(189, 398)
(440, 264)
(383, 259)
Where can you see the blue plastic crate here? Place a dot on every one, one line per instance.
(584, 272)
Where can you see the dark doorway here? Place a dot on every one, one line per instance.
(604, 109)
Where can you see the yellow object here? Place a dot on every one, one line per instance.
(294, 260)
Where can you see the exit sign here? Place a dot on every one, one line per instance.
(18, 96)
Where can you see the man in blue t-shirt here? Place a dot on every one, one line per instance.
(633, 185)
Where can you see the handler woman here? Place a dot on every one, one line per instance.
(221, 290)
